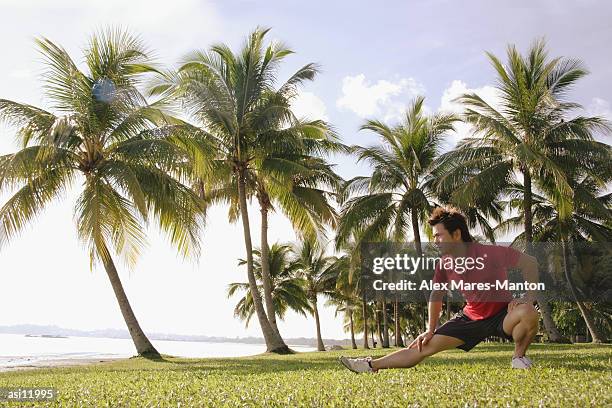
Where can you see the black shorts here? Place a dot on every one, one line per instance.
(473, 332)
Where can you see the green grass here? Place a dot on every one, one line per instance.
(566, 375)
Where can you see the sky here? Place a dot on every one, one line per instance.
(374, 56)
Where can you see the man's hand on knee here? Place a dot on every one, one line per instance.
(421, 340)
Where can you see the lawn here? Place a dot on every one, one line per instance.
(565, 375)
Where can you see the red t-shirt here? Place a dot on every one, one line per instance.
(493, 266)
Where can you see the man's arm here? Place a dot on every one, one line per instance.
(529, 268)
(434, 307)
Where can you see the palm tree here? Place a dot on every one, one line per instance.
(347, 305)
(299, 185)
(587, 223)
(530, 134)
(385, 323)
(288, 290)
(348, 277)
(364, 325)
(346, 297)
(234, 98)
(397, 330)
(397, 194)
(264, 149)
(319, 273)
(284, 176)
(102, 135)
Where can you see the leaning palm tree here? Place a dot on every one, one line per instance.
(287, 172)
(236, 102)
(531, 134)
(288, 179)
(287, 175)
(101, 137)
(288, 290)
(319, 272)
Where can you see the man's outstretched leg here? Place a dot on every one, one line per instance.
(409, 357)
(403, 358)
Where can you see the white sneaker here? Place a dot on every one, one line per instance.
(357, 365)
(521, 362)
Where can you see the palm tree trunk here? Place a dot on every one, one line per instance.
(399, 342)
(549, 324)
(415, 231)
(272, 343)
(527, 205)
(586, 314)
(399, 325)
(396, 324)
(364, 306)
(385, 325)
(378, 325)
(142, 343)
(352, 328)
(265, 272)
(596, 336)
(320, 345)
(587, 335)
(417, 243)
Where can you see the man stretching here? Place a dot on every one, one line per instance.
(514, 319)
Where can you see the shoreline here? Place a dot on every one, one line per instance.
(67, 362)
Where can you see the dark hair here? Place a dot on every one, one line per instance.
(452, 220)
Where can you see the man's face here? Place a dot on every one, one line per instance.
(444, 240)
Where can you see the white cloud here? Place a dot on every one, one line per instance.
(457, 88)
(600, 107)
(448, 104)
(308, 105)
(383, 98)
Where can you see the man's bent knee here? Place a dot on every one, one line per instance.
(529, 314)
(526, 312)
